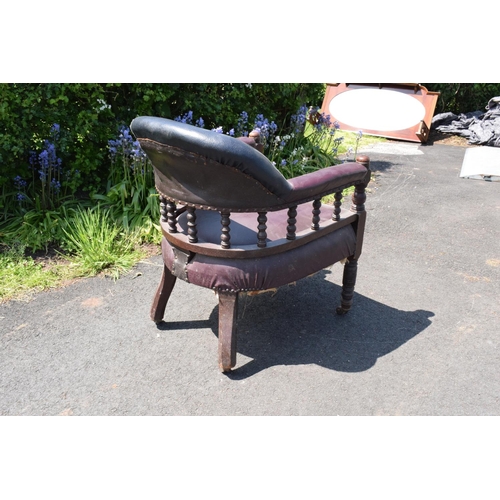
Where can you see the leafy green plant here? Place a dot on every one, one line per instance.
(36, 229)
(88, 113)
(131, 196)
(98, 243)
(463, 97)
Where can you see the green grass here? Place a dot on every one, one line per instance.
(96, 244)
(99, 244)
(350, 140)
(20, 275)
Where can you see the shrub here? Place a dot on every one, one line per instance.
(463, 97)
(89, 115)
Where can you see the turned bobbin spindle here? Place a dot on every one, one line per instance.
(225, 237)
(316, 211)
(292, 220)
(191, 224)
(262, 229)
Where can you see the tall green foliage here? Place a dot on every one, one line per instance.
(463, 97)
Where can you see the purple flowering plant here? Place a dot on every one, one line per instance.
(130, 195)
(48, 185)
(311, 143)
(129, 164)
(307, 143)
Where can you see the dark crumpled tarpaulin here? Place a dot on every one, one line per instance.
(477, 127)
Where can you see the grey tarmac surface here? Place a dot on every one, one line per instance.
(422, 337)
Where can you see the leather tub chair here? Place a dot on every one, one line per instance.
(231, 222)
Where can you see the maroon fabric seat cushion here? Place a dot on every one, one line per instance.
(266, 272)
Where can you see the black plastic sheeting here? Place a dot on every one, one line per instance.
(477, 127)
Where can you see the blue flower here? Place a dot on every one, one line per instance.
(231, 132)
(56, 185)
(137, 150)
(325, 120)
(19, 182)
(43, 158)
(20, 197)
(187, 118)
(200, 122)
(283, 163)
(266, 129)
(33, 159)
(299, 119)
(242, 125)
(217, 130)
(124, 145)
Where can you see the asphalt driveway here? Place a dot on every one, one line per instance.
(422, 337)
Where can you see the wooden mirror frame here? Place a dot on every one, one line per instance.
(418, 132)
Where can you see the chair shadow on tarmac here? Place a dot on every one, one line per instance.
(298, 325)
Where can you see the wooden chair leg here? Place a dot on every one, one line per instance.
(162, 295)
(228, 312)
(348, 282)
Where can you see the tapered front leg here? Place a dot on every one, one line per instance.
(162, 295)
(348, 282)
(228, 312)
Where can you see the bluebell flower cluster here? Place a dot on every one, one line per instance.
(319, 120)
(129, 163)
(56, 185)
(47, 169)
(19, 182)
(20, 185)
(48, 161)
(46, 164)
(187, 118)
(267, 129)
(125, 146)
(299, 149)
(336, 143)
(298, 120)
(242, 125)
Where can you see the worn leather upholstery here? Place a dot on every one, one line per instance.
(210, 170)
(264, 273)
